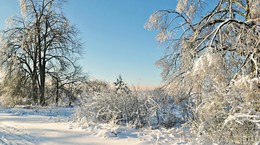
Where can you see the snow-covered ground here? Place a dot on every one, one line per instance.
(53, 126)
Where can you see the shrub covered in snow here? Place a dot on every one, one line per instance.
(222, 106)
(226, 110)
(126, 107)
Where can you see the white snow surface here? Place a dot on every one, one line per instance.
(52, 126)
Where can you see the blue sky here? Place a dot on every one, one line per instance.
(115, 41)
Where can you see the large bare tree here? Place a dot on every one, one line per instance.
(41, 40)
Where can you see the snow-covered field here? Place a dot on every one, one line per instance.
(54, 126)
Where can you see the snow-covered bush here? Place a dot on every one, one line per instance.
(226, 111)
(231, 117)
(108, 106)
(133, 108)
(219, 108)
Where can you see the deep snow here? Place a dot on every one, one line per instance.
(53, 126)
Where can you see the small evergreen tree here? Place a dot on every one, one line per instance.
(123, 96)
(121, 86)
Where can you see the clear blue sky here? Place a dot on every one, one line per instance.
(115, 41)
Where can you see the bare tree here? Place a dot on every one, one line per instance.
(67, 82)
(41, 40)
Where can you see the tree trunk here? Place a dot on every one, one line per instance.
(42, 83)
(34, 88)
(57, 92)
(42, 90)
(41, 64)
(35, 77)
(70, 97)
